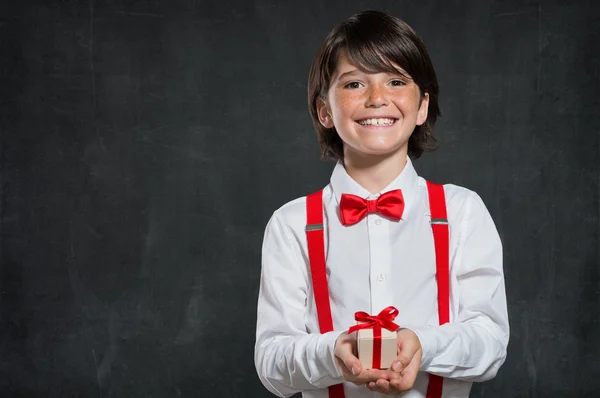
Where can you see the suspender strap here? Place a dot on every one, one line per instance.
(441, 238)
(316, 257)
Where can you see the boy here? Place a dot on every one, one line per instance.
(379, 235)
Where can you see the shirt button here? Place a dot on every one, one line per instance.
(381, 277)
(377, 221)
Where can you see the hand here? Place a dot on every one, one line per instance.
(349, 365)
(405, 367)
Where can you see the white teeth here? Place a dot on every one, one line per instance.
(377, 122)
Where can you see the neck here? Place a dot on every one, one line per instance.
(374, 172)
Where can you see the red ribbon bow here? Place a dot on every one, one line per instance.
(382, 320)
(354, 208)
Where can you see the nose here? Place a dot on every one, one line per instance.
(376, 96)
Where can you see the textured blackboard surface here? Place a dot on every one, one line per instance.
(144, 145)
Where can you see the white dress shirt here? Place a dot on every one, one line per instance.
(371, 265)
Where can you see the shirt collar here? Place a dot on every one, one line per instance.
(407, 181)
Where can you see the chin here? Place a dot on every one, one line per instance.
(378, 151)
(382, 148)
(376, 146)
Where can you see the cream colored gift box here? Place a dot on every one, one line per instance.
(389, 348)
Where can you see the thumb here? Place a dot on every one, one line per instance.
(408, 345)
(403, 359)
(350, 361)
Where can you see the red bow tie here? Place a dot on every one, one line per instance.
(354, 208)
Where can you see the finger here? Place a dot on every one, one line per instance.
(382, 386)
(376, 374)
(373, 375)
(399, 385)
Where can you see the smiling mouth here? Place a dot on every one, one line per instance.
(377, 122)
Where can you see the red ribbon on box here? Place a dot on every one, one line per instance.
(382, 320)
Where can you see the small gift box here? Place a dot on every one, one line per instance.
(376, 338)
(367, 350)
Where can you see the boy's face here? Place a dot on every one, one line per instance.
(373, 113)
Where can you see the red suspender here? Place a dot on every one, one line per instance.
(441, 239)
(316, 257)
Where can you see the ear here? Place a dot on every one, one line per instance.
(423, 110)
(324, 114)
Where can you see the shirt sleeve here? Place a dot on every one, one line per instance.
(473, 346)
(287, 358)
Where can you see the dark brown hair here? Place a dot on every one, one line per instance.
(374, 42)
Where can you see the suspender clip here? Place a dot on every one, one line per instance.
(443, 221)
(313, 227)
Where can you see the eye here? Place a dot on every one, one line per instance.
(352, 85)
(397, 83)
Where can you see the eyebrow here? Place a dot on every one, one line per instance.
(349, 73)
(399, 72)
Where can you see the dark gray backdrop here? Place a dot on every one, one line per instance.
(145, 144)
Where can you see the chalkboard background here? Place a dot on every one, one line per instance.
(145, 144)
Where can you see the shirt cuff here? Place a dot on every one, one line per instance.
(429, 343)
(327, 356)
